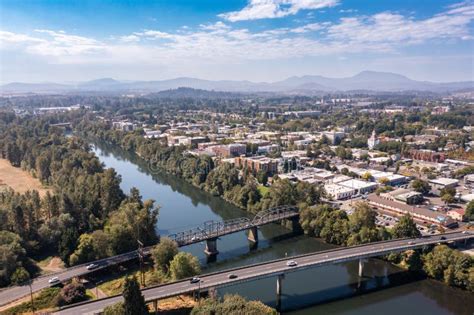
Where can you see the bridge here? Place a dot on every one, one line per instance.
(209, 232)
(276, 268)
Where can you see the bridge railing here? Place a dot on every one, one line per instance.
(211, 229)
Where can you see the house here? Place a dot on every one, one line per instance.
(456, 214)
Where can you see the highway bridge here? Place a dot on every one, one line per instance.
(209, 232)
(276, 268)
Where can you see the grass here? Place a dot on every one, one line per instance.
(263, 190)
(19, 180)
(44, 300)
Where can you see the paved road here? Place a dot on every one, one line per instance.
(272, 268)
(11, 294)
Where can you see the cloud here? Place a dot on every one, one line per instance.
(269, 9)
(222, 43)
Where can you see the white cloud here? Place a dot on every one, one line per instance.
(268, 9)
(219, 43)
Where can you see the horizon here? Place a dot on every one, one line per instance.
(197, 78)
(254, 40)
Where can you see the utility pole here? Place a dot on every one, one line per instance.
(140, 258)
(31, 295)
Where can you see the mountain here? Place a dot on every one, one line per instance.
(308, 84)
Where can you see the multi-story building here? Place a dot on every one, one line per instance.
(256, 164)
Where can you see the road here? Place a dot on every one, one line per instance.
(273, 268)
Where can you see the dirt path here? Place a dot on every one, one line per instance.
(19, 180)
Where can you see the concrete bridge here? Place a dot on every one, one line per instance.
(276, 268)
(210, 231)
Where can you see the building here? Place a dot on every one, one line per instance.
(406, 196)
(372, 141)
(422, 214)
(359, 186)
(334, 137)
(338, 192)
(456, 214)
(229, 150)
(256, 164)
(441, 183)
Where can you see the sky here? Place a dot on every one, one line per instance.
(256, 40)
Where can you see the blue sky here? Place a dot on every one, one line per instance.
(256, 40)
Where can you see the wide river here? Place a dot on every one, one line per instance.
(335, 289)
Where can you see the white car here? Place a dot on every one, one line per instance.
(291, 263)
(54, 280)
(92, 266)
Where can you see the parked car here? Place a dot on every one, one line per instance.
(291, 263)
(54, 280)
(195, 280)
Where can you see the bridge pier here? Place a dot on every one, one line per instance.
(211, 247)
(278, 292)
(361, 267)
(155, 306)
(295, 225)
(253, 234)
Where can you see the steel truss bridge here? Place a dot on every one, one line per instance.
(213, 229)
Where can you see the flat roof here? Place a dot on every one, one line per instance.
(357, 184)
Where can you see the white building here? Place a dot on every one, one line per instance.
(360, 186)
(338, 192)
(372, 141)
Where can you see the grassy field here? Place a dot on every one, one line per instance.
(19, 180)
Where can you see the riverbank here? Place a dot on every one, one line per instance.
(183, 206)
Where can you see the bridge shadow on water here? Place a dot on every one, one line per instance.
(290, 302)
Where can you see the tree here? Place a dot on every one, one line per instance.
(363, 216)
(115, 309)
(233, 305)
(421, 186)
(72, 293)
(406, 227)
(85, 251)
(448, 198)
(134, 302)
(184, 265)
(469, 214)
(163, 253)
(20, 276)
(366, 176)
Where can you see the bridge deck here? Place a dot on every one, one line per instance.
(272, 268)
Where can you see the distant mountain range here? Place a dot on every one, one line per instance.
(364, 81)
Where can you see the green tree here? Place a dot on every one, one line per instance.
(134, 302)
(421, 186)
(184, 265)
(20, 276)
(469, 214)
(233, 305)
(406, 227)
(163, 253)
(448, 198)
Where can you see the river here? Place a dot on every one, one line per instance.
(333, 289)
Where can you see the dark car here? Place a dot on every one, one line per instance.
(194, 280)
(232, 276)
(442, 238)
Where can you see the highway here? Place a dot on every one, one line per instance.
(213, 230)
(273, 268)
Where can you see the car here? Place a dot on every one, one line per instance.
(291, 263)
(442, 238)
(54, 280)
(411, 243)
(232, 276)
(92, 266)
(195, 280)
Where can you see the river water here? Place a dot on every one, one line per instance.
(335, 289)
